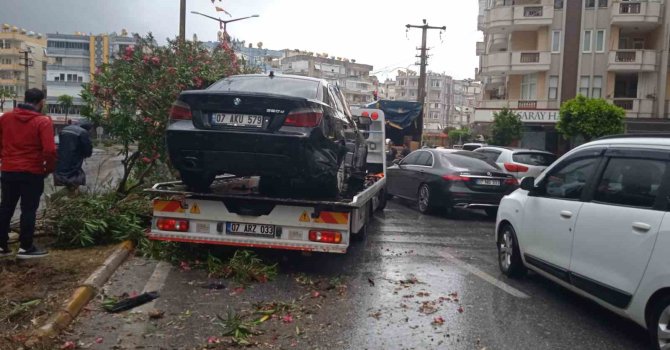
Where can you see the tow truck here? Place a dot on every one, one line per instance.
(233, 213)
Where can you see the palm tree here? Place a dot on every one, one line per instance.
(66, 101)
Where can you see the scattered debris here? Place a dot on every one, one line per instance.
(428, 307)
(215, 286)
(236, 327)
(460, 310)
(376, 315)
(287, 318)
(184, 266)
(315, 294)
(156, 314)
(438, 321)
(372, 283)
(130, 303)
(99, 340)
(68, 345)
(213, 340)
(422, 294)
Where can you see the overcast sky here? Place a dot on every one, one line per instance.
(370, 31)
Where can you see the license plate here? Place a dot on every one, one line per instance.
(241, 120)
(487, 182)
(250, 229)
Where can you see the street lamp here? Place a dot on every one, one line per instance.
(222, 22)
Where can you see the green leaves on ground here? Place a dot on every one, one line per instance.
(244, 267)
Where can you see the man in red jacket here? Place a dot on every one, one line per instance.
(28, 155)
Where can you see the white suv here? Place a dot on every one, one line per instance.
(598, 222)
(518, 161)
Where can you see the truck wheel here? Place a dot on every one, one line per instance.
(383, 198)
(658, 323)
(361, 234)
(197, 181)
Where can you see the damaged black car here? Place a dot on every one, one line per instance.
(296, 133)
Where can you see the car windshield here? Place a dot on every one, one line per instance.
(469, 160)
(281, 86)
(534, 158)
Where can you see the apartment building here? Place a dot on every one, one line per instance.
(73, 61)
(537, 54)
(465, 94)
(439, 96)
(14, 42)
(353, 78)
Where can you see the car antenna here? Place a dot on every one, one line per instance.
(272, 74)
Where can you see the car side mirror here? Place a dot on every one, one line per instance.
(527, 183)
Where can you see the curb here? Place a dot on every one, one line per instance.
(82, 295)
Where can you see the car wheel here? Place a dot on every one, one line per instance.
(659, 323)
(491, 212)
(197, 181)
(425, 199)
(509, 256)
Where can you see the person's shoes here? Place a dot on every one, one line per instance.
(5, 252)
(32, 253)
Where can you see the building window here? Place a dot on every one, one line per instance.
(584, 83)
(556, 41)
(5, 44)
(586, 44)
(435, 83)
(59, 60)
(602, 3)
(56, 78)
(600, 41)
(62, 77)
(590, 3)
(6, 61)
(529, 87)
(553, 87)
(597, 90)
(558, 4)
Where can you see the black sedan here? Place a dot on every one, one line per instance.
(448, 179)
(296, 133)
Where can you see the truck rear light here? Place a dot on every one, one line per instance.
(325, 236)
(455, 178)
(304, 118)
(374, 116)
(515, 168)
(178, 225)
(365, 114)
(180, 111)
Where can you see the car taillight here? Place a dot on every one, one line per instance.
(455, 178)
(303, 118)
(180, 111)
(178, 225)
(511, 181)
(515, 168)
(325, 236)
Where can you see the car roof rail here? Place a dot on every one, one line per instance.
(629, 136)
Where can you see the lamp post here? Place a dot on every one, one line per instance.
(224, 23)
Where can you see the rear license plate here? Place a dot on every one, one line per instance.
(234, 228)
(487, 182)
(241, 120)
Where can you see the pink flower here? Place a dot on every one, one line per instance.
(287, 318)
(184, 264)
(98, 340)
(197, 82)
(146, 160)
(213, 340)
(315, 294)
(68, 345)
(155, 60)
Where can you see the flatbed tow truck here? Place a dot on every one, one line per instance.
(233, 213)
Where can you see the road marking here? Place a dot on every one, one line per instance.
(483, 275)
(155, 284)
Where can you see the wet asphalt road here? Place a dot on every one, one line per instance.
(416, 282)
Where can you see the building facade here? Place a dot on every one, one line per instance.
(73, 61)
(537, 54)
(353, 78)
(439, 96)
(14, 42)
(465, 94)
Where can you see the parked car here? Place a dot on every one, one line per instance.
(597, 223)
(472, 146)
(517, 161)
(447, 179)
(293, 132)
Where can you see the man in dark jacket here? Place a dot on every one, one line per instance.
(28, 155)
(73, 147)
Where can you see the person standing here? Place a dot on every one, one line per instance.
(28, 155)
(74, 145)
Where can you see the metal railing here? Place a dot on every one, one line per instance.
(527, 104)
(626, 104)
(530, 57)
(532, 11)
(630, 8)
(625, 56)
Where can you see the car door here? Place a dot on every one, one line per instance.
(616, 231)
(399, 174)
(419, 173)
(551, 210)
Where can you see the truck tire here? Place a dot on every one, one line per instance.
(361, 234)
(197, 181)
(383, 198)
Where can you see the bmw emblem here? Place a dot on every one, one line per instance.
(237, 101)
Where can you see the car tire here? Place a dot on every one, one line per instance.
(425, 199)
(509, 254)
(659, 320)
(383, 198)
(271, 186)
(197, 181)
(491, 212)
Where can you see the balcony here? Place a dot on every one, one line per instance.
(481, 48)
(496, 63)
(11, 67)
(13, 52)
(632, 61)
(493, 83)
(636, 13)
(481, 23)
(4, 81)
(635, 107)
(517, 104)
(529, 62)
(505, 19)
(499, 42)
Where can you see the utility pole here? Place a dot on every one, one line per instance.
(422, 71)
(182, 20)
(27, 63)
